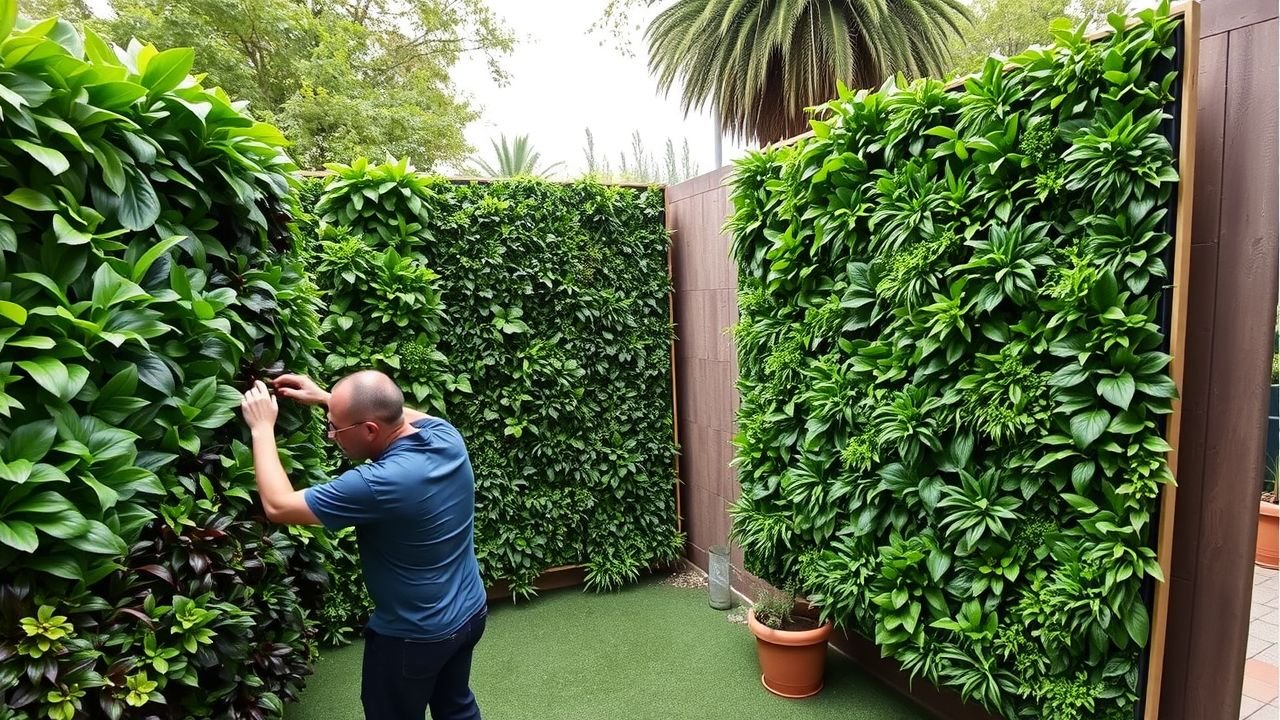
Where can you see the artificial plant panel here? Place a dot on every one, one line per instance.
(534, 316)
(953, 369)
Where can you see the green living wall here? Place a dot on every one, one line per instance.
(146, 278)
(534, 316)
(953, 370)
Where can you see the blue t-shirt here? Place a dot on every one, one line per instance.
(414, 514)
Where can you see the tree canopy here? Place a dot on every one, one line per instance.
(341, 78)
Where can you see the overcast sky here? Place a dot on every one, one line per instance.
(563, 80)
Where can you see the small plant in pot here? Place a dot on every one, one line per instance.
(1268, 553)
(791, 645)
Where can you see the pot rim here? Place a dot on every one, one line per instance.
(1269, 509)
(790, 638)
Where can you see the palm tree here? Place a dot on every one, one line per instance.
(513, 159)
(760, 63)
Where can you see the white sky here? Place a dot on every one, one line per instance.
(564, 80)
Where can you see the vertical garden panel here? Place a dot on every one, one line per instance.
(955, 353)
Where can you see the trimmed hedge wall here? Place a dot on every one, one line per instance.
(953, 370)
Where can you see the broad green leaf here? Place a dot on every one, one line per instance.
(43, 473)
(139, 206)
(110, 289)
(50, 373)
(19, 535)
(168, 69)
(17, 471)
(1117, 390)
(112, 167)
(45, 503)
(31, 200)
(35, 342)
(98, 539)
(152, 254)
(1089, 426)
(47, 283)
(8, 17)
(57, 565)
(115, 95)
(55, 161)
(14, 312)
(30, 442)
(1082, 474)
(1138, 623)
(1081, 503)
(97, 50)
(68, 235)
(154, 372)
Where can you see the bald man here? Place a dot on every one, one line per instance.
(413, 507)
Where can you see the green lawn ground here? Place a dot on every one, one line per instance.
(649, 651)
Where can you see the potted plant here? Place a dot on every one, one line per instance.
(1268, 553)
(791, 645)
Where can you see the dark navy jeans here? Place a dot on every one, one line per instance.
(402, 678)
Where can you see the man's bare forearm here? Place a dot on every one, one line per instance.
(273, 483)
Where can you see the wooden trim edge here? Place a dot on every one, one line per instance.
(1177, 347)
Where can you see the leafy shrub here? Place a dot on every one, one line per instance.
(953, 368)
(146, 277)
(534, 316)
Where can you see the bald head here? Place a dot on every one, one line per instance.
(369, 395)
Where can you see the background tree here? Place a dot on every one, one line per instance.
(513, 158)
(760, 63)
(340, 77)
(1008, 27)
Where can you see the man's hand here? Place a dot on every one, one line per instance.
(301, 389)
(259, 408)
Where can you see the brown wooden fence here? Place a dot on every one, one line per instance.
(1232, 298)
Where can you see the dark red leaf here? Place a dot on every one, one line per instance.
(159, 571)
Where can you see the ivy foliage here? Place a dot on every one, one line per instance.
(534, 316)
(953, 369)
(146, 277)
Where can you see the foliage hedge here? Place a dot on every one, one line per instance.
(534, 316)
(146, 278)
(953, 369)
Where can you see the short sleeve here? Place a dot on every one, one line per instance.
(345, 501)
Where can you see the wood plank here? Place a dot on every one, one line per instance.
(1195, 410)
(1211, 115)
(1177, 344)
(675, 376)
(1222, 16)
(1244, 327)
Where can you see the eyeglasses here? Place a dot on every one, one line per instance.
(334, 430)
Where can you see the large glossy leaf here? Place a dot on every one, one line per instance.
(31, 441)
(139, 207)
(98, 539)
(110, 289)
(13, 311)
(49, 372)
(8, 16)
(168, 69)
(31, 199)
(19, 535)
(55, 161)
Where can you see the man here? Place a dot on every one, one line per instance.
(413, 507)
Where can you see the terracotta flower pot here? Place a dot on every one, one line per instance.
(792, 662)
(1268, 552)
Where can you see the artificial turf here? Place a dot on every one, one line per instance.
(649, 651)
